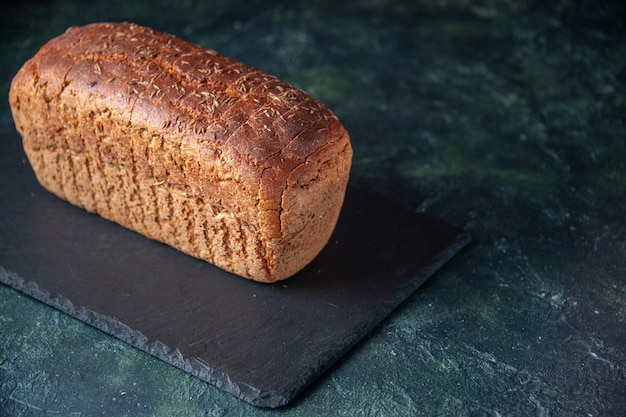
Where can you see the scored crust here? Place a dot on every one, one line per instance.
(185, 146)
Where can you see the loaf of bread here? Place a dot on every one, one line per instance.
(185, 146)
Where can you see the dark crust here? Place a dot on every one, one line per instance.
(152, 110)
(224, 106)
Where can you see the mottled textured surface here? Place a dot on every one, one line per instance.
(506, 118)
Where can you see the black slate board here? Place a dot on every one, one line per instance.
(264, 343)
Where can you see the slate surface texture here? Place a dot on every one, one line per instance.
(262, 343)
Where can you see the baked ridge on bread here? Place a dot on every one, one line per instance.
(184, 146)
